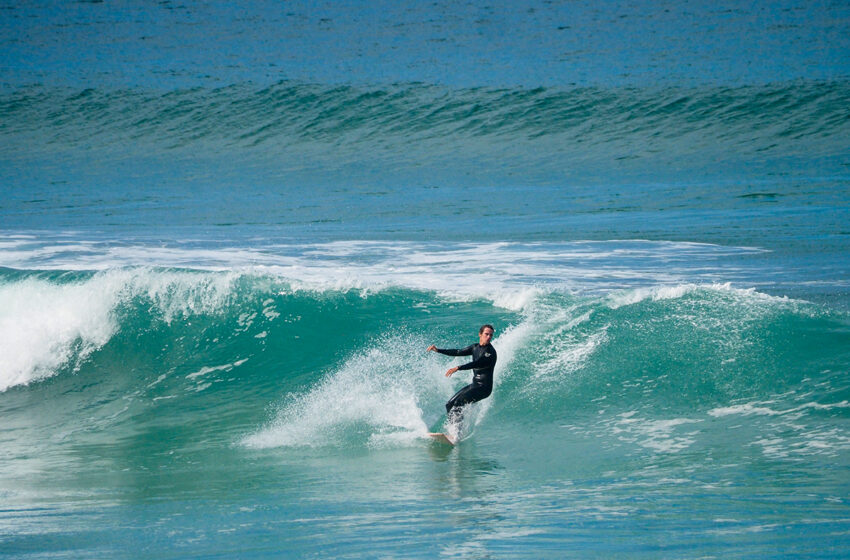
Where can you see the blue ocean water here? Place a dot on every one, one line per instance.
(228, 233)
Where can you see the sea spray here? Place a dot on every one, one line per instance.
(374, 394)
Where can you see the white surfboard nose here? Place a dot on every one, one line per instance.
(442, 438)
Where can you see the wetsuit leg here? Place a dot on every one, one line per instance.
(468, 395)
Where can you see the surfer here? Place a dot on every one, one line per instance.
(482, 365)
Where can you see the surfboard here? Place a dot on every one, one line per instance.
(442, 438)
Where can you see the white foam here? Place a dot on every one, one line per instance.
(631, 297)
(571, 357)
(789, 434)
(570, 344)
(176, 294)
(516, 300)
(800, 442)
(756, 408)
(509, 274)
(747, 409)
(46, 325)
(658, 435)
(210, 369)
(658, 293)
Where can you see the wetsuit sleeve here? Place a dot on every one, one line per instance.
(455, 352)
(483, 361)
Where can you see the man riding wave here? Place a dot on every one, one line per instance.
(482, 365)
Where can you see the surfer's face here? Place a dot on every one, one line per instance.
(485, 336)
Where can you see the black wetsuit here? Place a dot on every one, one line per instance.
(482, 365)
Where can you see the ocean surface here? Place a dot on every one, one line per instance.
(228, 234)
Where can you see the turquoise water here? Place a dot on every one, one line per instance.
(228, 234)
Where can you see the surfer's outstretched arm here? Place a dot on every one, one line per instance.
(452, 351)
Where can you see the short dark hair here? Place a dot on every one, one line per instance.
(481, 330)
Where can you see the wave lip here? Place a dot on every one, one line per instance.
(44, 326)
(50, 323)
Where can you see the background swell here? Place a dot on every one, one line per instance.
(778, 118)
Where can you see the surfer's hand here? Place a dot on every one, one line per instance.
(451, 371)
(431, 348)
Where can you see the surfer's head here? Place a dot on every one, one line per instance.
(485, 333)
